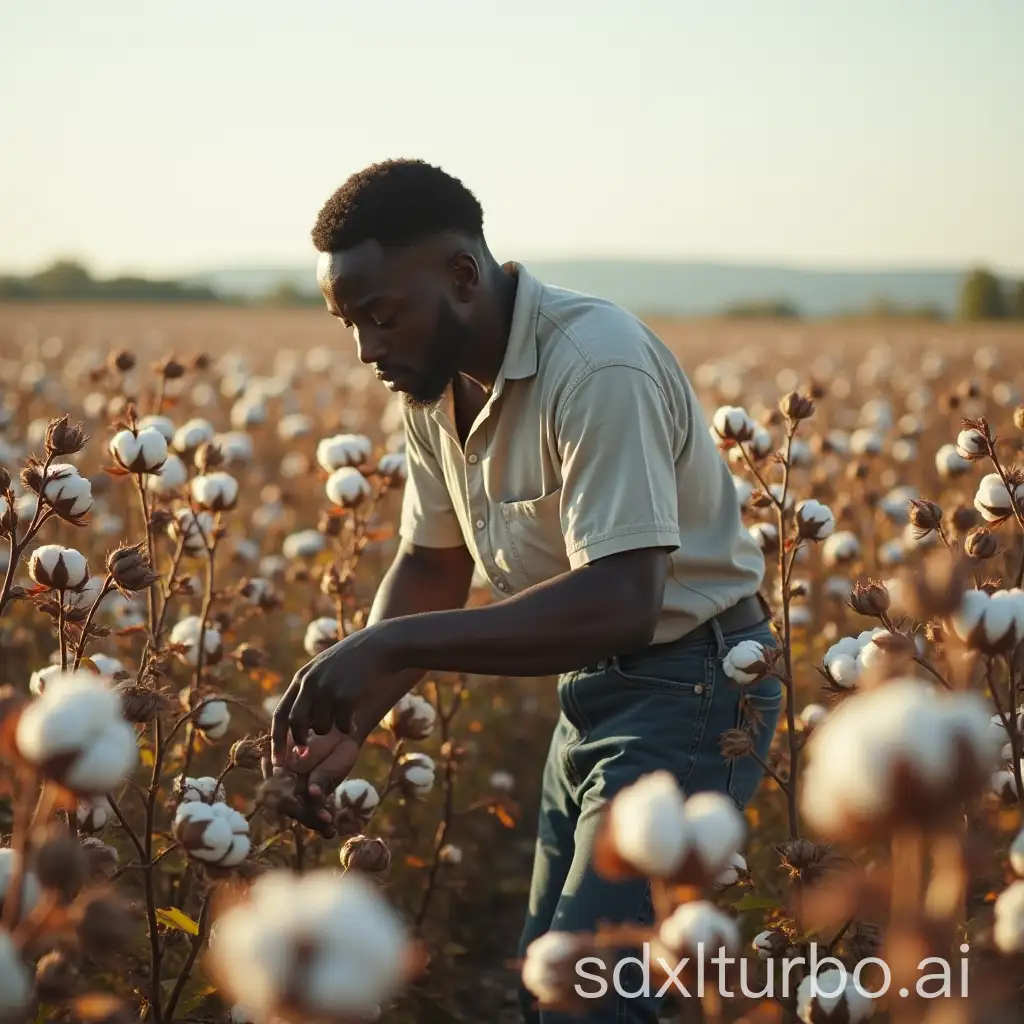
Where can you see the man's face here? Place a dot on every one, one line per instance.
(398, 304)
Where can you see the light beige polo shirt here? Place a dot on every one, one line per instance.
(591, 443)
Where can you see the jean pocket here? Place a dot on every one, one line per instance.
(685, 676)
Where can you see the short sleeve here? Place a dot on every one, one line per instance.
(428, 516)
(616, 437)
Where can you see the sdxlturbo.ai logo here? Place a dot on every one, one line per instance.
(829, 976)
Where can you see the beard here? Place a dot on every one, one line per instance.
(441, 365)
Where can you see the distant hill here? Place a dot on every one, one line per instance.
(653, 287)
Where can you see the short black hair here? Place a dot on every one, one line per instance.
(396, 203)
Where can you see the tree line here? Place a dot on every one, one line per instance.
(983, 295)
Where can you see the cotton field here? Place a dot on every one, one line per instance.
(195, 503)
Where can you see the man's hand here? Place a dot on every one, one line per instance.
(320, 768)
(324, 693)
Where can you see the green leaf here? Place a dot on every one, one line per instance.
(751, 901)
(171, 917)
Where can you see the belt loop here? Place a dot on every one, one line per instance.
(719, 637)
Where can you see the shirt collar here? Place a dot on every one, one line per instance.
(520, 359)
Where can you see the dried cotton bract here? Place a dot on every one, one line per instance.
(313, 946)
(901, 752)
(76, 735)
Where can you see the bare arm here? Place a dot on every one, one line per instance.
(420, 580)
(606, 608)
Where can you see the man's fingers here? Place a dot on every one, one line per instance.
(334, 769)
(301, 712)
(321, 718)
(280, 724)
(302, 807)
(302, 760)
(342, 710)
(317, 819)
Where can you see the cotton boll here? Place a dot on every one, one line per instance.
(66, 491)
(696, 928)
(320, 635)
(348, 971)
(172, 476)
(192, 434)
(142, 452)
(648, 827)
(334, 453)
(75, 734)
(347, 487)
(416, 774)
(859, 754)
(213, 719)
(58, 568)
(215, 492)
(832, 994)
(303, 544)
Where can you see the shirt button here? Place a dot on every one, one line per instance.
(480, 524)
(474, 459)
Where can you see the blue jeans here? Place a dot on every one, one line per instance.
(624, 718)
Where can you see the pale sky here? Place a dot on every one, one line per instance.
(196, 134)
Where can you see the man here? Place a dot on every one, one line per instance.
(554, 443)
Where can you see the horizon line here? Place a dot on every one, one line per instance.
(720, 262)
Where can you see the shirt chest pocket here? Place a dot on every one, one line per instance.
(532, 538)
